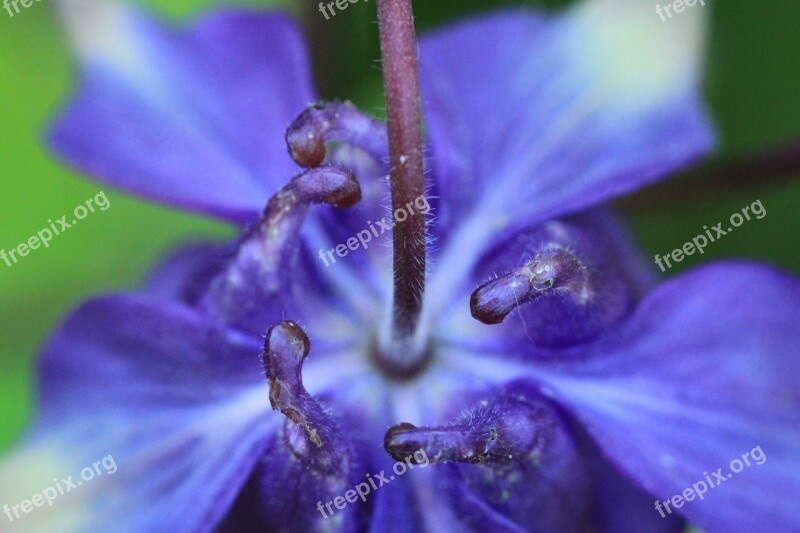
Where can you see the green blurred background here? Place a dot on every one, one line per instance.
(753, 88)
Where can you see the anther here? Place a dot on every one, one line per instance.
(518, 440)
(550, 272)
(335, 121)
(328, 184)
(505, 429)
(285, 349)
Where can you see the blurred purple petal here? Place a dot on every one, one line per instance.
(184, 275)
(533, 117)
(706, 371)
(190, 117)
(179, 403)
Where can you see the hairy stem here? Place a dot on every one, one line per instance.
(399, 53)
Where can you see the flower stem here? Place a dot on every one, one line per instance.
(401, 87)
(717, 177)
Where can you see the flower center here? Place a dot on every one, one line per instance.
(400, 349)
(405, 368)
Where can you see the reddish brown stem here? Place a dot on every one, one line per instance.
(714, 178)
(399, 53)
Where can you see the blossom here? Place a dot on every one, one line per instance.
(561, 388)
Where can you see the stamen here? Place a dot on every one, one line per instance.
(335, 121)
(509, 428)
(555, 271)
(577, 278)
(258, 272)
(505, 447)
(285, 349)
(442, 445)
(328, 184)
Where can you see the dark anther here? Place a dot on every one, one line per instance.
(549, 272)
(285, 349)
(336, 121)
(507, 428)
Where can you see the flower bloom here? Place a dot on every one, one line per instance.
(561, 388)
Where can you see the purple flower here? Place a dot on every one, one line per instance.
(558, 388)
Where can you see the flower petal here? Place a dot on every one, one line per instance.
(185, 274)
(391, 507)
(532, 118)
(189, 117)
(180, 405)
(619, 505)
(705, 372)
